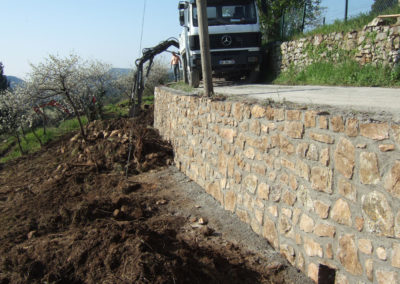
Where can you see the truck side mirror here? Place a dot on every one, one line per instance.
(182, 17)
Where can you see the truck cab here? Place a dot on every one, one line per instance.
(235, 39)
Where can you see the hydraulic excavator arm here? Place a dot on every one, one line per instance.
(138, 85)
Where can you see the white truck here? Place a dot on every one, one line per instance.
(235, 40)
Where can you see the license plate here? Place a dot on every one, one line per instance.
(226, 62)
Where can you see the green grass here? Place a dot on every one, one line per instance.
(346, 73)
(30, 144)
(352, 24)
(182, 87)
(120, 109)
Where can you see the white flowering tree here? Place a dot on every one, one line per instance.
(13, 113)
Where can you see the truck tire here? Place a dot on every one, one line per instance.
(194, 78)
(185, 69)
(253, 77)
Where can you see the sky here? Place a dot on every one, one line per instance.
(105, 30)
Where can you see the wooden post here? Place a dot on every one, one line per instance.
(205, 47)
(346, 10)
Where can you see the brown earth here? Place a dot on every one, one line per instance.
(69, 215)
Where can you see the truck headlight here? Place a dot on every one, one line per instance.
(252, 59)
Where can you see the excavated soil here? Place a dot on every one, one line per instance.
(69, 215)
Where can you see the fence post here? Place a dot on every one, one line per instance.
(346, 10)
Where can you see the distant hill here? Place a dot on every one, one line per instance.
(117, 72)
(14, 81)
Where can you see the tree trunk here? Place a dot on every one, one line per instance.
(77, 116)
(44, 122)
(37, 137)
(24, 134)
(19, 142)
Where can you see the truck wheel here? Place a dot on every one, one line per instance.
(185, 69)
(194, 78)
(252, 77)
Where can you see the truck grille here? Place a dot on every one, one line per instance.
(223, 41)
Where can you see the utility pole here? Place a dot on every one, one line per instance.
(304, 16)
(205, 47)
(346, 10)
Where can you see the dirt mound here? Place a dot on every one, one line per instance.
(68, 215)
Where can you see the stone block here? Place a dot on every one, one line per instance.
(214, 189)
(303, 170)
(312, 153)
(293, 115)
(243, 215)
(293, 182)
(347, 190)
(237, 111)
(378, 213)
(279, 114)
(228, 134)
(392, 182)
(294, 129)
(347, 254)
(263, 191)
(288, 164)
(302, 149)
(270, 233)
(309, 119)
(273, 210)
(337, 124)
(369, 170)
(352, 127)
(381, 253)
(313, 272)
(250, 183)
(387, 147)
(323, 138)
(324, 230)
(321, 179)
(258, 111)
(396, 255)
(285, 145)
(387, 277)
(249, 153)
(375, 131)
(255, 127)
(323, 122)
(230, 201)
(322, 209)
(359, 223)
(365, 246)
(345, 158)
(306, 223)
(341, 212)
(289, 198)
(369, 269)
(284, 225)
(312, 248)
(289, 253)
(329, 251)
(396, 132)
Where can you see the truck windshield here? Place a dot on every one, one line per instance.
(228, 14)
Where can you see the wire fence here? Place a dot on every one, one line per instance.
(296, 20)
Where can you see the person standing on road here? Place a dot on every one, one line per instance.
(175, 62)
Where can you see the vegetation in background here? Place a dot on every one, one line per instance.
(3, 79)
(282, 18)
(354, 23)
(345, 73)
(30, 143)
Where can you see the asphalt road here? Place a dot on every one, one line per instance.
(374, 100)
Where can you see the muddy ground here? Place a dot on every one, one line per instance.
(69, 215)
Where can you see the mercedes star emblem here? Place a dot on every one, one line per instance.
(226, 40)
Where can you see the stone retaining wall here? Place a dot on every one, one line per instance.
(376, 43)
(322, 189)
